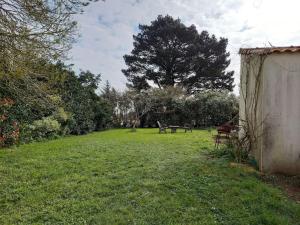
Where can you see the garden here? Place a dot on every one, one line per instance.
(75, 149)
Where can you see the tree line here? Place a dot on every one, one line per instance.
(170, 106)
(36, 107)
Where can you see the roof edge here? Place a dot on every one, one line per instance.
(268, 50)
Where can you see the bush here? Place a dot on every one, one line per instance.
(65, 119)
(61, 115)
(26, 131)
(45, 128)
(213, 108)
(9, 127)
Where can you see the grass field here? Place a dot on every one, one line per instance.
(120, 177)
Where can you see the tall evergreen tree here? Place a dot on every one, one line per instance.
(106, 90)
(168, 53)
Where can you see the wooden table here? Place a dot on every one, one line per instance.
(174, 128)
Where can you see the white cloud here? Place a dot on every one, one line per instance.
(107, 27)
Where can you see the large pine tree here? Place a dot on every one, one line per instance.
(168, 53)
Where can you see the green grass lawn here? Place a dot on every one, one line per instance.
(120, 177)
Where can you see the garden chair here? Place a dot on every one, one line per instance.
(162, 128)
(187, 127)
(224, 132)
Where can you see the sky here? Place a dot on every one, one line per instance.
(106, 29)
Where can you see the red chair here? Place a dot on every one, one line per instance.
(224, 132)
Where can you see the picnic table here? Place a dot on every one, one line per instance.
(174, 128)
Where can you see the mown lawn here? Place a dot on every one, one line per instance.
(120, 177)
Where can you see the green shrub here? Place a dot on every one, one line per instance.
(9, 126)
(26, 133)
(61, 115)
(45, 128)
(65, 119)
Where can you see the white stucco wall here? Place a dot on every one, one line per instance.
(278, 150)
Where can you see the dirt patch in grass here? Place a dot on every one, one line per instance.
(290, 184)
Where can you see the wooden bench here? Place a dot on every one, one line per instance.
(187, 127)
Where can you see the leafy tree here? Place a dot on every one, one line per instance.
(89, 80)
(168, 105)
(33, 97)
(168, 53)
(101, 108)
(78, 101)
(141, 103)
(212, 108)
(32, 29)
(123, 109)
(89, 110)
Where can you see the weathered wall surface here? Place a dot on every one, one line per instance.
(251, 84)
(278, 149)
(281, 108)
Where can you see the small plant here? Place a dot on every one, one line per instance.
(235, 149)
(238, 148)
(223, 152)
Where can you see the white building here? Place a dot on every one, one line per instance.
(270, 102)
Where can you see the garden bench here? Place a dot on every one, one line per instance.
(187, 127)
(162, 128)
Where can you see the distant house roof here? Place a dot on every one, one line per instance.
(268, 50)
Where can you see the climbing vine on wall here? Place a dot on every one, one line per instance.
(251, 124)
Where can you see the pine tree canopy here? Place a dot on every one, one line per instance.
(168, 53)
